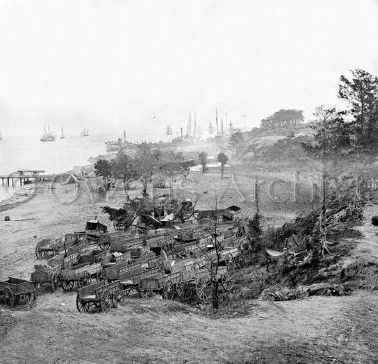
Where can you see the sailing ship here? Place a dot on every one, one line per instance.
(62, 136)
(85, 132)
(47, 136)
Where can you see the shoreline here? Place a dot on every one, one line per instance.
(14, 200)
(21, 197)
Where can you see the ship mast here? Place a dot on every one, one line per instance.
(216, 120)
(189, 126)
(195, 126)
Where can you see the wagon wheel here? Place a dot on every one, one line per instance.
(55, 250)
(9, 297)
(38, 252)
(184, 291)
(24, 299)
(33, 297)
(232, 264)
(116, 298)
(106, 301)
(100, 276)
(169, 290)
(238, 262)
(37, 286)
(104, 245)
(148, 293)
(227, 282)
(123, 297)
(203, 289)
(67, 285)
(80, 305)
(85, 279)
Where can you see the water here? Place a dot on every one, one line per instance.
(28, 152)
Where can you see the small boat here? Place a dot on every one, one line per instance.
(1, 137)
(47, 136)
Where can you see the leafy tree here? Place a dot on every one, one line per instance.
(283, 118)
(202, 157)
(222, 159)
(171, 164)
(103, 168)
(123, 167)
(146, 163)
(332, 133)
(361, 93)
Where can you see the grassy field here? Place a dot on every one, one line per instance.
(314, 330)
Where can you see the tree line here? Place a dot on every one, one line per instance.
(143, 165)
(283, 119)
(354, 129)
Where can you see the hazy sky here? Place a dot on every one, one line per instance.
(114, 64)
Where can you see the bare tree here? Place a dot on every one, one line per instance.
(323, 116)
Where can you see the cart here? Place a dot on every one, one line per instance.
(17, 291)
(94, 229)
(55, 246)
(111, 271)
(45, 275)
(103, 242)
(203, 282)
(169, 284)
(133, 281)
(48, 247)
(78, 276)
(102, 295)
(122, 244)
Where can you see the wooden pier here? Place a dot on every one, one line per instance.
(25, 177)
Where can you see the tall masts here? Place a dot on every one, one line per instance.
(221, 127)
(216, 121)
(195, 126)
(189, 126)
(169, 129)
(225, 124)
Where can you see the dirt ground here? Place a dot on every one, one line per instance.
(314, 330)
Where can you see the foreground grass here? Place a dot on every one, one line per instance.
(320, 329)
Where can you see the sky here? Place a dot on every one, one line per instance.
(140, 64)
